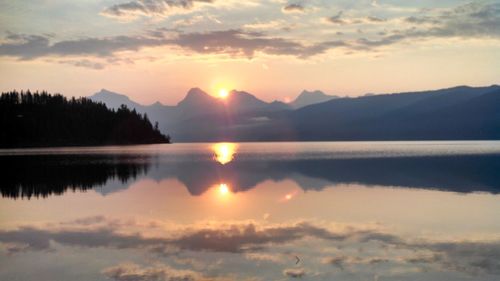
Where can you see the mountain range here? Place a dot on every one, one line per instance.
(454, 113)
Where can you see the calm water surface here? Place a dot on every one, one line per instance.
(252, 211)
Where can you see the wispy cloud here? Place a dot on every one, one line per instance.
(293, 8)
(26, 47)
(475, 20)
(85, 63)
(234, 43)
(238, 43)
(336, 19)
(149, 8)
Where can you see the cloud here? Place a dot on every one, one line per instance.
(294, 272)
(473, 20)
(189, 21)
(234, 43)
(27, 47)
(238, 43)
(421, 20)
(336, 19)
(374, 19)
(476, 20)
(340, 19)
(270, 25)
(293, 8)
(160, 272)
(84, 63)
(150, 8)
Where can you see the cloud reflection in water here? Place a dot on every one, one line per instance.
(327, 249)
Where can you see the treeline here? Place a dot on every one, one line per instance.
(41, 119)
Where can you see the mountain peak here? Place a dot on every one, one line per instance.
(242, 94)
(106, 93)
(315, 92)
(113, 100)
(196, 96)
(310, 97)
(196, 91)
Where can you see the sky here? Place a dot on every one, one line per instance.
(156, 50)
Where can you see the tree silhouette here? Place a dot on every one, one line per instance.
(42, 119)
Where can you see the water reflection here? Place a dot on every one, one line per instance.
(223, 189)
(183, 213)
(220, 251)
(224, 152)
(44, 175)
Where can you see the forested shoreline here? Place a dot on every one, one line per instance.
(41, 119)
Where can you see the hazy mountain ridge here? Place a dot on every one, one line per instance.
(114, 100)
(310, 97)
(454, 113)
(200, 113)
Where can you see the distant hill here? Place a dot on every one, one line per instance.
(114, 100)
(41, 119)
(307, 98)
(455, 113)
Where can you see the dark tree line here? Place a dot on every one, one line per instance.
(41, 119)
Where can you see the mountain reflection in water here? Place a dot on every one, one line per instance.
(44, 175)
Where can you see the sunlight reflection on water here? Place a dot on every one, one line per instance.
(224, 152)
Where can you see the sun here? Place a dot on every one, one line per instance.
(223, 93)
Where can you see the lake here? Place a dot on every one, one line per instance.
(252, 211)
